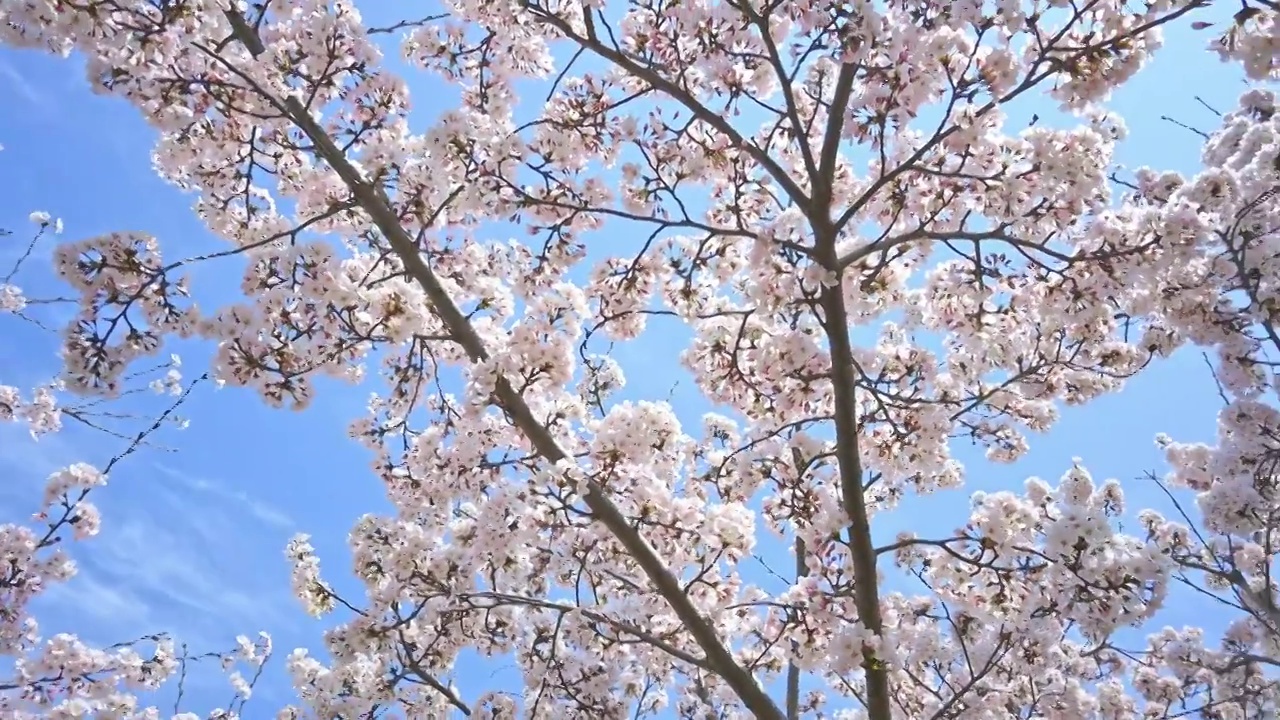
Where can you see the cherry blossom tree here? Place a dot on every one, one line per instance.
(797, 170)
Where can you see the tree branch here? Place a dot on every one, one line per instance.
(377, 205)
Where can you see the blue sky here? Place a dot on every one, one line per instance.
(193, 539)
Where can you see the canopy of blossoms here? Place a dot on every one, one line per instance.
(800, 169)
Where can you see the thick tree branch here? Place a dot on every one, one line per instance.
(802, 570)
(798, 129)
(866, 583)
(376, 204)
(823, 185)
(844, 384)
(835, 323)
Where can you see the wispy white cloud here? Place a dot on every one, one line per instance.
(175, 566)
(257, 509)
(25, 462)
(176, 553)
(25, 89)
(107, 604)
